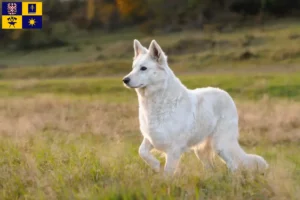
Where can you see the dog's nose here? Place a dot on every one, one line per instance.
(126, 80)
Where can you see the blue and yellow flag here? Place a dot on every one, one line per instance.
(22, 15)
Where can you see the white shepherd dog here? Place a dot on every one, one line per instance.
(174, 119)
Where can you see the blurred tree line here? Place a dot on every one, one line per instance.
(61, 18)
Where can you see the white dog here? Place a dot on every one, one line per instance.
(174, 119)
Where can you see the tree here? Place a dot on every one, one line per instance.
(133, 10)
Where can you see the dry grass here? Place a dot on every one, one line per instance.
(20, 117)
(271, 121)
(275, 122)
(55, 148)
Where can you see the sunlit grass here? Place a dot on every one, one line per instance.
(61, 148)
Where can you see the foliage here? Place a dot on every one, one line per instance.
(132, 9)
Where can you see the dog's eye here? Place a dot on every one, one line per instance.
(143, 68)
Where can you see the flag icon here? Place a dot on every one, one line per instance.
(32, 22)
(31, 8)
(11, 22)
(11, 8)
(22, 15)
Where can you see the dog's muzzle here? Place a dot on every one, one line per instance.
(126, 80)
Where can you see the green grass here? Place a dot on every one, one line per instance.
(249, 87)
(273, 47)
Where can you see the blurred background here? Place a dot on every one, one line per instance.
(69, 129)
(197, 35)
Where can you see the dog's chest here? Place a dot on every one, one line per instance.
(153, 117)
(161, 123)
(155, 128)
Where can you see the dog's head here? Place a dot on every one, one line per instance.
(148, 68)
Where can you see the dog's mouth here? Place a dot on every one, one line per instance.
(134, 87)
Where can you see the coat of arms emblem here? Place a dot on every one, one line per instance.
(12, 8)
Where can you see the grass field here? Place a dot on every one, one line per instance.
(69, 129)
(63, 139)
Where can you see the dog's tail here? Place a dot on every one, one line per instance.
(232, 154)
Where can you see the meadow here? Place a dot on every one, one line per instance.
(69, 129)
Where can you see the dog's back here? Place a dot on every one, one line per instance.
(219, 100)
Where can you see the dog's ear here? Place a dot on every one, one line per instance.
(156, 52)
(138, 48)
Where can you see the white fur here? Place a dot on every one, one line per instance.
(174, 119)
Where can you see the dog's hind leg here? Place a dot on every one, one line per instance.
(205, 153)
(225, 143)
(144, 152)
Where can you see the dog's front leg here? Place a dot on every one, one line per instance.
(146, 155)
(172, 161)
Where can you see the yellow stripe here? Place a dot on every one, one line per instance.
(39, 8)
(8, 22)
